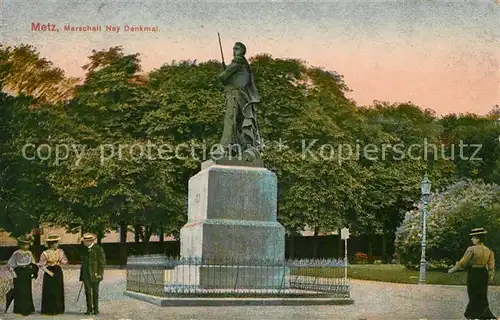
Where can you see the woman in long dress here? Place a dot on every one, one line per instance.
(23, 268)
(479, 261)
(53, 280)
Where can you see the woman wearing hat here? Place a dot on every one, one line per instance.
(480, 264)
(23, 268)
(53, 282)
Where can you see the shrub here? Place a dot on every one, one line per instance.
(451, 216)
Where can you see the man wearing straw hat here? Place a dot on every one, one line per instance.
(479, 261)
(92, 272)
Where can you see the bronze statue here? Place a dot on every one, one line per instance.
(240, 122)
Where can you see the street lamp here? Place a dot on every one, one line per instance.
(425, 188)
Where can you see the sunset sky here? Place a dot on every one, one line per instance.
(442, 55)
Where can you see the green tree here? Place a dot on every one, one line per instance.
(473, 143)
(451, 215)
(32, 91)
(403, 136)
(24, 71)
(116, 183)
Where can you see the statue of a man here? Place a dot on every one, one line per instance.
(240, 122)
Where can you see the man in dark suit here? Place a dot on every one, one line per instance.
(92, 271)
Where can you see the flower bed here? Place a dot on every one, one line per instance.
(361, 258)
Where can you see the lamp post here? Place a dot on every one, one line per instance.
(425, 188)
(344, 234)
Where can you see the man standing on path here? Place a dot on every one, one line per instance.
(91, 272)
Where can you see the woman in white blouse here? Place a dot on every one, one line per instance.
(23, 269)
(53, 280)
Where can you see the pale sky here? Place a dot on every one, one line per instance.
(443, 55)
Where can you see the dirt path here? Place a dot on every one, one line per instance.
(373, 300)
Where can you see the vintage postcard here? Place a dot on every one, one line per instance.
(250, 159)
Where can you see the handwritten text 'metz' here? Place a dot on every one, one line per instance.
(50, 27)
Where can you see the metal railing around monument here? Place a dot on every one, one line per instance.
(163, 276)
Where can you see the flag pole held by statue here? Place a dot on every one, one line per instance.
(221, 52)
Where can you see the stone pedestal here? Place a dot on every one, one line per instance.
(232, 276)
(232, 226)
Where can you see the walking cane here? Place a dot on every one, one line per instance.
(79, 292)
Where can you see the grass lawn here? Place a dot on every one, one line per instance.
(397, 273)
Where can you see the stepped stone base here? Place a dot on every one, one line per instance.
(224, 276)
(260, 301)
(232, 216)
(235, 242)
(232, 227)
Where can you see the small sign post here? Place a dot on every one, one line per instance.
(344, 235)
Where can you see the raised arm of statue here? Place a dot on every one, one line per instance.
(230, 69)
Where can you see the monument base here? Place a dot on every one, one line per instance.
(232, 217)
(232, 236)
(237, 301)
(237, 242)
(226, 276)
